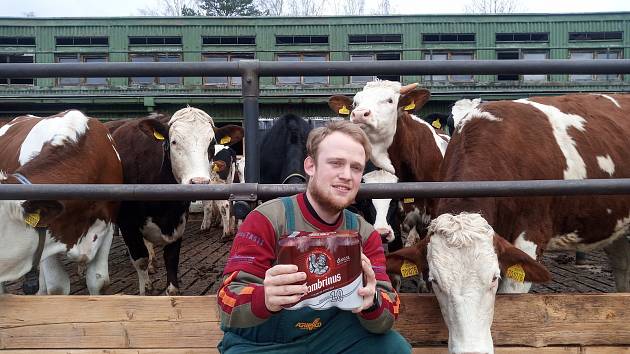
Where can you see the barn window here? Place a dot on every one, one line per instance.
(229, 40)
(302, 80)
(81, 58)
(448, 37)
(583, 54)
(154, 58)
(81, 41)
(17, 41)
(522, 55)
(448, 55)
(374, 38)
(225, 57)
(16, 58)
(372, 57)
(169, 40)
(521, 37)
(299, 40)
(595, 36)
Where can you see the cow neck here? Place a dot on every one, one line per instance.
(311, 215)
(413, 152)
(166, 168)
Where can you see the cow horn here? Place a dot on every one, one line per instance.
(407, 88)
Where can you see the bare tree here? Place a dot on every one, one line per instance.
(383, 7)
(29, 14)
(306, 7)
(272, 7)
(492, 6)
(353, 7)
(170, 8)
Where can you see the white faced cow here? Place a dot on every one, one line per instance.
(403, 145)
(64, 148)
(479, 245)
(164, 151)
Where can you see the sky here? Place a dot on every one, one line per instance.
(91, 8)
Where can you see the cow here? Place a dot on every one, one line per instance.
(479, 246)
(403, 145)
(215, 212)
(67, 147)
(164, 150)
(283, 150)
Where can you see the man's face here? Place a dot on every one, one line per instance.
(336, 175)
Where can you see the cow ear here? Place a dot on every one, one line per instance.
(517, 264)
(229, 134)
(403, 260)
(154, 129)
(41, 213)
(414, 100)
(341, 105)
(218, 166)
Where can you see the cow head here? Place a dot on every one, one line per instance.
(188, 139)
(377, 107)
(465, 260)
(381, 206)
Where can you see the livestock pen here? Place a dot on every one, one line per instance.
(547, 323)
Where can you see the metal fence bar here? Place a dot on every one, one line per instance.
(268, 191)
(329, 68)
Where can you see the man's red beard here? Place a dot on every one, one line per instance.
(324, 198)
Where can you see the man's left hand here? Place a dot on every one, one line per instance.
(369, 290)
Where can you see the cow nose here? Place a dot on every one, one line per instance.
(361, 115)
(199, 180)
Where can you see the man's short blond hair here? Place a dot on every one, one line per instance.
(348, 128)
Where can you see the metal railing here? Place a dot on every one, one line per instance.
(252, 70)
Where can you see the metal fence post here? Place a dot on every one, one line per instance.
(251, 92)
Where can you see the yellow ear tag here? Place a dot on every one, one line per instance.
(225, 140)
(408, 200)
(516, 273)
(410, 106)
(344, 110)
(436, 123)
(215, 167)
(157, 135)
(32, 219)
(408, 269)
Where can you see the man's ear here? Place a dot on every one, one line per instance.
(309, 166)
(154, 129)
(341, 105)
(41, 213)
(510, 256)
(229, 134)
(414, 100)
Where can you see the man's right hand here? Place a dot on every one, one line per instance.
(280, 288)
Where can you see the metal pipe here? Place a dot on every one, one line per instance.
(251, 92)
(268, 191)
(328, 68)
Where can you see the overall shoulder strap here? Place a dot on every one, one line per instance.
(289, 215)
(352, 222)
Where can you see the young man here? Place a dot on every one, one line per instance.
(255, 288)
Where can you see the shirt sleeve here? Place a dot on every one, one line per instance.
(241, 298)
(381, 318)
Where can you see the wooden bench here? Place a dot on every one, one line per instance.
(115, 324)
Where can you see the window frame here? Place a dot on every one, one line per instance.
(156, 79)
(449, 54)
(231, 81)
(374, 54)
(81, 58)
(594, 52)
(301, 79)
(521, 56)
(8, 80)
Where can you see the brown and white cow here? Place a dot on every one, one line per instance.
(164, 150)
(476, 242)
(403, 145)
(64, 148)
(218, 212)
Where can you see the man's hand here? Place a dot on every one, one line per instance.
(369, 289)
(280, 288)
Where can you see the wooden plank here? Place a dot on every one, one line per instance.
(123, 322)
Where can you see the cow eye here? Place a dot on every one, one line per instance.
(173, 142)
(494, 279)
(390, 101)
